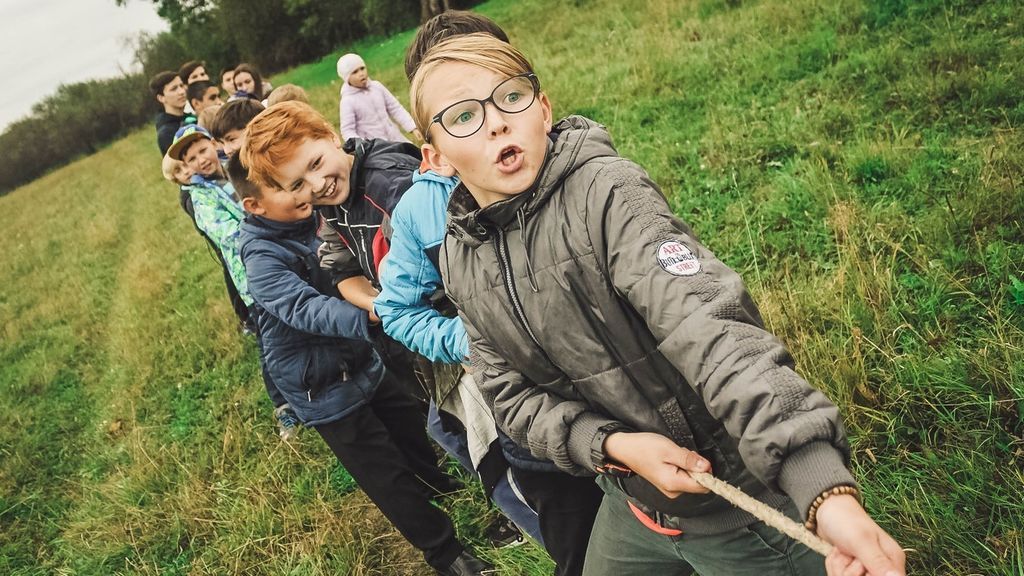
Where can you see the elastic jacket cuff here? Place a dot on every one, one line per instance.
(581, 438)
(811, 470)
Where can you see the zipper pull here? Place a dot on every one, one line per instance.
(309, 395)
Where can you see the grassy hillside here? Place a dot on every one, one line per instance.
(859, 162)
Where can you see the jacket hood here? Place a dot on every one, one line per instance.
(257, 227)
(573, 142)
(373, 154)
(431, 176)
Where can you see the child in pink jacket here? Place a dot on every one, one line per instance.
(367, 107)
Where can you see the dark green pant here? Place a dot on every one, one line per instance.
(621, 546)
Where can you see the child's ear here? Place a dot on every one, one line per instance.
(545, 105)
(335, 139)
(437, 161)
(252, 206)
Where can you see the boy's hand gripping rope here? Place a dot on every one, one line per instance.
(763, 512)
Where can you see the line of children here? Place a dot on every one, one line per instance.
(218, 216)
(322, 350)
(411, 305)
(604, 336)
(367, 108)
(356, 186)
(608, 339)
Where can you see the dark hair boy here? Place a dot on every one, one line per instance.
(169, 91)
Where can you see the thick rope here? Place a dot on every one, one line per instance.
(763, 512)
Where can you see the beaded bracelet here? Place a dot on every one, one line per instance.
(812, 514)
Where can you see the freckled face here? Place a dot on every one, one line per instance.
(319, 167)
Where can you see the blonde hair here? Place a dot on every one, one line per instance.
(169, 166)
(205, 118)
(286, 93)
(274, 134)
(479, 49)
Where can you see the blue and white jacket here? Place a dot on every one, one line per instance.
(411, 274)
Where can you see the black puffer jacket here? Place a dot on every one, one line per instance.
(356, 236)
(588, 302)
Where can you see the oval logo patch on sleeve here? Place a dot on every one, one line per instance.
(677, 259)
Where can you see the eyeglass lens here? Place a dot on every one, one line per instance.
(511, 96)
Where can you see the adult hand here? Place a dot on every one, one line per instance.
(659, 460)
(862, 548)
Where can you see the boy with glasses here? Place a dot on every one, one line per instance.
(608, 339)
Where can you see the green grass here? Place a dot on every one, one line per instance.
(859, 163)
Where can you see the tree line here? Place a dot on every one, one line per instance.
(79, 118)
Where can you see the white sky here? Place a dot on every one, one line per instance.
(45, 43)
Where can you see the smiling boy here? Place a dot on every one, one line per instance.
(320, 348)
(608, 339)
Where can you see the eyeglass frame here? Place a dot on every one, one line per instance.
(534, 81)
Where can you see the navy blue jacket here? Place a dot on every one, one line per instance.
(316, 346)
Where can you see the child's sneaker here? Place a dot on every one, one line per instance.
(503, 533)
(287, 422)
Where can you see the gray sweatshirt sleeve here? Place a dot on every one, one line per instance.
(789, 434)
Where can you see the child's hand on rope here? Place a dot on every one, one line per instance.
(862, 548)
(659, 460)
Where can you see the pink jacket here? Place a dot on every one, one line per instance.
(368, 112)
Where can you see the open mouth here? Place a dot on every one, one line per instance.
(510, 158)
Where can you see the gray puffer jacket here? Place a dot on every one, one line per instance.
(588, 302)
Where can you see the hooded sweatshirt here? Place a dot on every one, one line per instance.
(589, 303)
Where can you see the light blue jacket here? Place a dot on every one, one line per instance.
(410, 274)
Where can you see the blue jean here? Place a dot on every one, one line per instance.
(506, 495)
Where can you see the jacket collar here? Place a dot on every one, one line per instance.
(267, 228)
(359, 149)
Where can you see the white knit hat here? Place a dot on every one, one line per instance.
(347, 64)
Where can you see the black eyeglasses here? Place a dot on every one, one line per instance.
(466, 117)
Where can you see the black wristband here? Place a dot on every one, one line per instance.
(597, 455)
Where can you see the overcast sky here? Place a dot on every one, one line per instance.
(44, 43)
